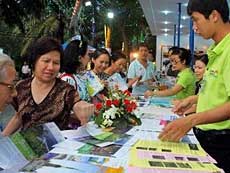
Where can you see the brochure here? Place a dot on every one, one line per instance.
(116, 81)
(38, 140)
(93, 83)
(62, 163)
(10, 156)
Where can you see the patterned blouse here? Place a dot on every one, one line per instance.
(56, 106)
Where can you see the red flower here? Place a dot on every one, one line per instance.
(98, 106)
(116, 102)
(133, 105)
(129, 108)
(108, 103)
(126, 102)
(126, 92)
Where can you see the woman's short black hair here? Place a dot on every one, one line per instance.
(72, 53)
(203, 58)
(117, 55)
(42, 46)
(184, 55)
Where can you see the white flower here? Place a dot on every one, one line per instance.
(111, 113)
(137, 112)
(107, 122)
(116, 95)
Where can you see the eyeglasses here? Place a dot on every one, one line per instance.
(10, 86)
(174, 62)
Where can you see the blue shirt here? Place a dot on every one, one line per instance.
(136, 69)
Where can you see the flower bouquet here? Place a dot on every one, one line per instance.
(118, 110)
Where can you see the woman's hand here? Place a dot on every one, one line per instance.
(105, 83)
(83, 111)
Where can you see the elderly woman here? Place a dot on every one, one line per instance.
(44, 97)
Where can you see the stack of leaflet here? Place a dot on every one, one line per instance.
(32, 151)
(157, 156)
(10, 157)
(161, 101)
(27, 145)
(96, 141)
(64, 163)
(93, 143)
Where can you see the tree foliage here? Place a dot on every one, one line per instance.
(26, 20)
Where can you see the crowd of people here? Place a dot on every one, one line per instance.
(57, 89)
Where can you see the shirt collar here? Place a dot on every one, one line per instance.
(215, 50)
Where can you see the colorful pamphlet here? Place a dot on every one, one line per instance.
(116, 81)
(16, 150)
(93, 83)
(64, 163)
(165, 156)
(37, 140)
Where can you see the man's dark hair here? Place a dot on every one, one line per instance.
(206, 7)
(142, 45)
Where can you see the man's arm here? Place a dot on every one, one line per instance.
(183, 105)
(175, 130)
(133, 80)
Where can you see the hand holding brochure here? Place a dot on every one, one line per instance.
(117, 81)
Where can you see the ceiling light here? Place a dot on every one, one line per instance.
(166, 12)
(165, 34)
(184, 17)
(165, 29)
(185, 4)
(166, 22)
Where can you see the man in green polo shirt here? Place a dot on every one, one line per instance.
(211, 121)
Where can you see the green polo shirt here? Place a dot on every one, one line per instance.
(215, 88)
(187, 80)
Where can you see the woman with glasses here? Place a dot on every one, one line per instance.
(185, 83)
(199, 69)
